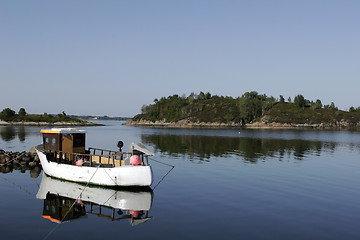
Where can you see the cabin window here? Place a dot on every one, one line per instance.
(79, 140)
(53, 141)
(46, 140)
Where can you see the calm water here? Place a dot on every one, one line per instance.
(226, 184)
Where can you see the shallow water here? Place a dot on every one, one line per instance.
(228, 184)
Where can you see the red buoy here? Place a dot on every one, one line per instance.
(134, 213)
(135, 160)
(79, 162)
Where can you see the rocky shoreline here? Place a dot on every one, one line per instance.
(22, 161)
(332, 125)
(181, 124)
(256, 125)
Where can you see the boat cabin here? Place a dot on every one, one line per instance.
(69, 140)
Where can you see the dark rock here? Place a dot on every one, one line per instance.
(35, 172)
(17, 167)
(5, 160)
(32, 152)
(23, 164)
(26, 159)
(9, 164)
(5, 169)
(16, 164)
(32, 164)
(19, 160)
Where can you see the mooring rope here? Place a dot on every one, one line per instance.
(73, 204)
(162, 179)
(18, 186)
(161, 162)
(109, 176)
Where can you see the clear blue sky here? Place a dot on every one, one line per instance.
(111, 57)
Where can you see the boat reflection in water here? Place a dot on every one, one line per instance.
(65, 201)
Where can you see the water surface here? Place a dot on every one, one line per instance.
(226, 184)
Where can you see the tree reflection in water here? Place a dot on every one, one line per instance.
(21, 133)
(250, 149)
(7, 133)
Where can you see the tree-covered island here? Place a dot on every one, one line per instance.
(250, 110)
(10, 117)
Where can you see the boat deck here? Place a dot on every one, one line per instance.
(109, 160)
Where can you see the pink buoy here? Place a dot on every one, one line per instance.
(134, 213)
(135, 160)
(78, 162)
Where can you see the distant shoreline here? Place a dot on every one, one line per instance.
(55, 124)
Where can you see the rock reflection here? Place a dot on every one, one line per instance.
(34, 171)
(65, 201)
(251, 149)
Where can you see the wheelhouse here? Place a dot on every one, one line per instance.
(64, 139)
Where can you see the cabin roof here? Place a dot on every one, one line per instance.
(62, 130)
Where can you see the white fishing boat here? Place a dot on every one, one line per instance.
(63, 155)
(65, 201)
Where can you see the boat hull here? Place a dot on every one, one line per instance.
(117, 176)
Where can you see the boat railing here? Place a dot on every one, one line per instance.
(113, 159)
(99, 151)
(113, 215)
(123, 155)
